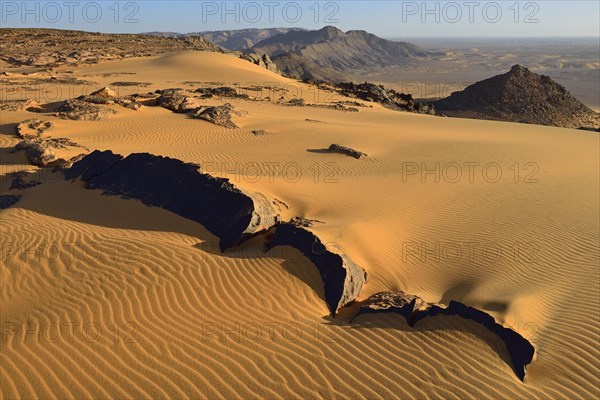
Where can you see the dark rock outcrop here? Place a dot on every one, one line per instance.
(342, 279)
(336, 148)
(414, 309)
(386, 97)
(520, 96)
(178, 187)
(80, 110)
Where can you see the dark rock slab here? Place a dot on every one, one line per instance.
(178, 187)
(342, 279)
(414, 309)
(520, 350)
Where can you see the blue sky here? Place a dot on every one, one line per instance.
(384, 18)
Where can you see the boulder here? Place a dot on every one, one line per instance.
(170, 100)
(218, 115)
(342, 279)
(39, 153)
(336, 148)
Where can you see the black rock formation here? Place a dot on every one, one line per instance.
(342, 279)
(520, 350)
(414, 309)
(175, 186)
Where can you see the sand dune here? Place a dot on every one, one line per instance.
(522, 246)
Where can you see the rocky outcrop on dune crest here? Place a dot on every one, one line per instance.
(342, 279)
(262, 61)
(179, 187)
(414, 309)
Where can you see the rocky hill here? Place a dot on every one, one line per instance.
(329, 53)
(520, 96)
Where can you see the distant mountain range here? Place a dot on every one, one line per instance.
(329, 53)
(241, 39)
(520, 96)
